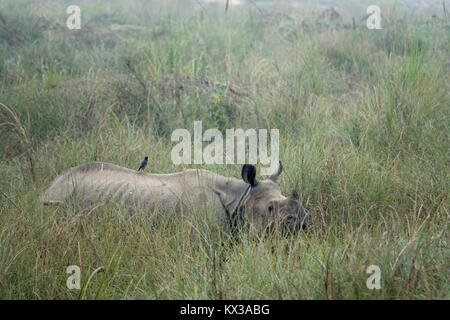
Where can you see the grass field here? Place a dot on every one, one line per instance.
(364, 138)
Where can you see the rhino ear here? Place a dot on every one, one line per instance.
(249, 174)
(295, 194)
(275, 176)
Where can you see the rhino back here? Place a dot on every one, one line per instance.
(98, 181)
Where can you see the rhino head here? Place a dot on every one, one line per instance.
(266, 207)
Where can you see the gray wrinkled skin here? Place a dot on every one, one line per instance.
(259, 204)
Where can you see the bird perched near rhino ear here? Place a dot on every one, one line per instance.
(143, 164)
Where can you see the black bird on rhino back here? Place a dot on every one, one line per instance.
(257, 204)
(143, 164)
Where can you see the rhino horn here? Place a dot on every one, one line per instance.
(275, 176)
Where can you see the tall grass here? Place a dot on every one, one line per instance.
(363, 119)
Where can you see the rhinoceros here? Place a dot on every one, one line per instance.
(259, 204)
